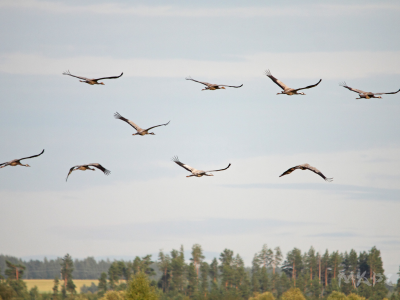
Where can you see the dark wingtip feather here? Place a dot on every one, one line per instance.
(117, 115)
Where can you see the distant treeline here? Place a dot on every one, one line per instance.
(87, 268)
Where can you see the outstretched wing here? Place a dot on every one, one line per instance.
(310, 86)
(205, 83)
(3, 164)
(220, 169)
(234, 86)
(277, 81)
(118, 116)
(70, 171)
(387, 93)
(69, 74)
(343, 84)
(177, 161)
(158, 126)
(287, 172)
(100, 167)
(316, 171)
(32, 155)
(112, 77)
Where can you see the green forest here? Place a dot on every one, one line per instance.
(272, 275)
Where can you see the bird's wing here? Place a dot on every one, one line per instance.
(68, 73)
(100, 167)
(111, 77)
(205, 83)
(310, 86)
(234, 86)
(177, 161)
(70, 171)
(220, 169)
(287, 172)
(158, 126)
(277, 81)
(387, 93)
(32, 155)
(118, 116)
(316, 171)
(343, 84)
(7, 162)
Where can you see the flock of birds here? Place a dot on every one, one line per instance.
(208, 86)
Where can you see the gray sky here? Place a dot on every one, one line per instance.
(147, 203)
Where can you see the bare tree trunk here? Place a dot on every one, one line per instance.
(319, 271)
(326, 276)
(294, 273)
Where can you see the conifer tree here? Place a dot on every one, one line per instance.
(197, 257)
(67, 267)
(55, 288)
(102, 286)
(14, 271)
(255, 274)
(164, 263)
(204, 269)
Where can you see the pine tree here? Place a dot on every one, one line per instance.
(115, 272)
(102, 286)
(226, 259)
(325, 268)
(311, 263)
(335, 261)
(204, 269)
(164, 263)
(67, 267)
(178, 267)
(55, 288)
(193, 283)
(197, 257)
(255, 274)
(14, 271)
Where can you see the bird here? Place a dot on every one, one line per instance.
(91, 81)
(139, 130)
(195, 172)
(16, 162)
(87, 167)
(212, 87)
(363, 94)
(287, 90)
(306, 167)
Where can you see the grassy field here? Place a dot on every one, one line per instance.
(46, 285)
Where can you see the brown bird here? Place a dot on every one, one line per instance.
(287, 90)
(87, 167)
(307, 167)
(91, 81)
(365, 95)
(139, 130)
(17, 162)
(211, 86)
(195, 172)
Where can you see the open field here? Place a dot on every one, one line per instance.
(46, 285)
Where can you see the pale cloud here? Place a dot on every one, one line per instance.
(179, 11)
(311, 65)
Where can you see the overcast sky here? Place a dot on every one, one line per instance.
(147, 203)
